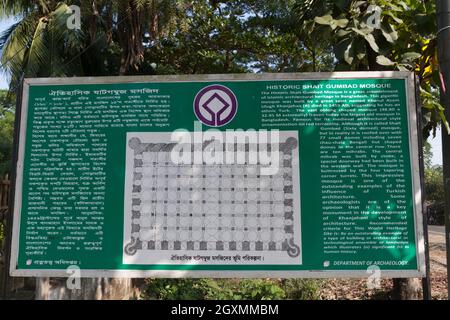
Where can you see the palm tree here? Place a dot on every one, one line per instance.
(109, 42)
(39, 44)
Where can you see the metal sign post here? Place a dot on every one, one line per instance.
(426, 281)
(443, 36)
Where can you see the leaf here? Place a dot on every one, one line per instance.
(326, 19)
(341, 23)
(341, 47)
(427, 71)
(342, 33)
(402, 67)
(384, 61)
(444, 121)
(349, 53)
(38, 52)
(358, 4)
(410, 57)
(426, 117)
(371, 40)
(363, 31)
(389, 32)
(359, 48)
(394, 7)
(333, 25)
(404, 5)
(394, 17)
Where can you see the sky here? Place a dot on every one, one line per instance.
(436, 144)
(4, 24)
(436, 148)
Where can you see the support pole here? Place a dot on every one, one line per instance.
(443, 37)
(426, 281)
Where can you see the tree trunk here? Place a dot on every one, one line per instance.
(407, 289)
(90, 289)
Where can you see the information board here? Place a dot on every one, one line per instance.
(255, 175)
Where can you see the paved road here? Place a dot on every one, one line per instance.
(437, 230)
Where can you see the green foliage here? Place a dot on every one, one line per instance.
(427, 154)
(246, 289)
(399, 35)
(174, 289)
(6, 130)
(434, 184)
(157, 37)
(230, 289)
(302, 289)
(204, 36)
(40, 44)
(434, 177)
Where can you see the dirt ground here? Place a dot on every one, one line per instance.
(438, 262)
(356, 289)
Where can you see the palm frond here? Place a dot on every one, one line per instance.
(13, 8)
(72, 39)
(38, 52)
(15, 46)
(5, 35)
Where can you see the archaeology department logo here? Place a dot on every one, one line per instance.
(215, 105)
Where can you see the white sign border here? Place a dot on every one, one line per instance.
(414, 158)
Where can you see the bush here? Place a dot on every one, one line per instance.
(175, 289)
(434, 184)
(246, 289)
(302, 289)
(230, 289)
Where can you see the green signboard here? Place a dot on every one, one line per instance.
(268, 175)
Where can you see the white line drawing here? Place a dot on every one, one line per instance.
(209, 209)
